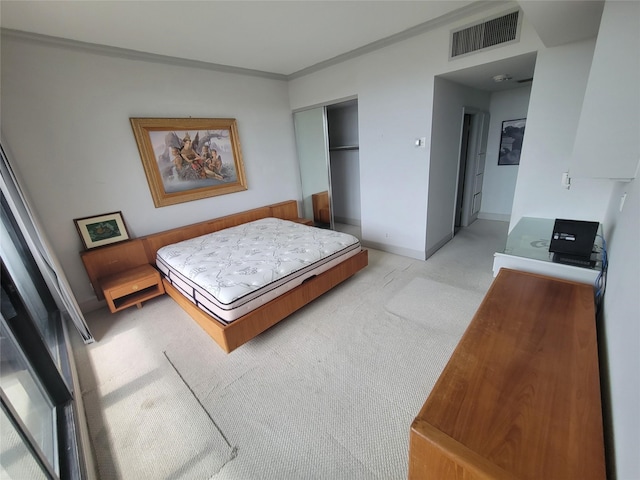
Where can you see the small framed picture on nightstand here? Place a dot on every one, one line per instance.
(102, 230)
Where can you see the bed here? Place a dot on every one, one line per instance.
(231, 272)
(238, 307)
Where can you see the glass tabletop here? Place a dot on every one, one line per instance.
(531, 236)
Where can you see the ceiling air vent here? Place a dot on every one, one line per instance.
(488, 33)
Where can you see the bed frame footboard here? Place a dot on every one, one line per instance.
(240, 331)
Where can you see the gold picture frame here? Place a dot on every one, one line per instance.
(189, 159)
(100, 230)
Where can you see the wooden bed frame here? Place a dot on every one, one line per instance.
(112, 259)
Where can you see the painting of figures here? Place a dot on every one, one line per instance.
(189, 159)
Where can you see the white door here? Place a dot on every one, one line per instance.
(474, 173)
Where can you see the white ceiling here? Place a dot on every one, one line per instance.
(520, 69)
(280, 37)
(560, 22)
(283, 37)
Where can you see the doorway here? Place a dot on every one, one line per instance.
(473, 146)
(464, 151)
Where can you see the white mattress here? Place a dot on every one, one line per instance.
(233, 271)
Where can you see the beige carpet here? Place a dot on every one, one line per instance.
(137, 415)
(436, 305)
(319, 396)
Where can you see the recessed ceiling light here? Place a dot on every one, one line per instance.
(504, 77)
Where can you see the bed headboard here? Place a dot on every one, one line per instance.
(119, 257)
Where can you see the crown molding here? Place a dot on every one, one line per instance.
(463, 12)
(133, 54)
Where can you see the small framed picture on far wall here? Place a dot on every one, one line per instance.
(511, 141)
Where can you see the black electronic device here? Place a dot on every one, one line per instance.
(572, 242)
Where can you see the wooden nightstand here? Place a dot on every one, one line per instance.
(304, 221)
(131, 287)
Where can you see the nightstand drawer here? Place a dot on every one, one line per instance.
(133, 287)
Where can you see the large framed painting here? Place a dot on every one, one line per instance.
(188, 159)
(511, 141)
(101, 230)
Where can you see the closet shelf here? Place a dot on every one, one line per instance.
(344, 147)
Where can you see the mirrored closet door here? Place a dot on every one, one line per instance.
(327, 141)
(313, 156)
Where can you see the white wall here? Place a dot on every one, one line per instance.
(66, 121)
(612, 110)
(616, 51)
(499, 183)
(620, 328)
(557, 92)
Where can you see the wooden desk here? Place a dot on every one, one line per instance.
(520, 397)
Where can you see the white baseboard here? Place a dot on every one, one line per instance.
(91, 304)
(405, 252)
(439, 245)
(501, 217)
